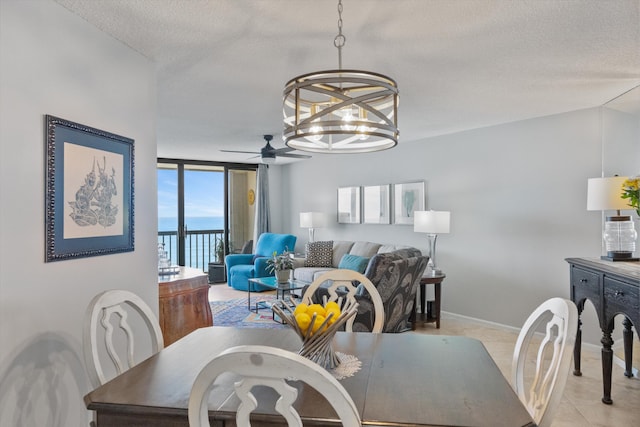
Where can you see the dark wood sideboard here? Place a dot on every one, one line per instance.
(613, 288)
(184, 303)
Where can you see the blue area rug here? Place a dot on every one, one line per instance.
(235, 313)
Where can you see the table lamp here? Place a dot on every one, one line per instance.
(619, 235)
(311, 220)
(432, 223)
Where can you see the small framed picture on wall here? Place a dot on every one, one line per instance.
(376, 204)
(349, 205)
(408, 197)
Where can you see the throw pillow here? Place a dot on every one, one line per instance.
(319, 254)
(354, 262)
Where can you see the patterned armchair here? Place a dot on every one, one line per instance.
(396, 275)
(241, 267)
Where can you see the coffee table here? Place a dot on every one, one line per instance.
(271, 282)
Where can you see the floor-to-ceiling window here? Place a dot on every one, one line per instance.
(205, 210)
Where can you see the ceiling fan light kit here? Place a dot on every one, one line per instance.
(268, 153)
(341, 111)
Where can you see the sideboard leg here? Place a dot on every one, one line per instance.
(577, 348)
(607, 366)
(627, 338)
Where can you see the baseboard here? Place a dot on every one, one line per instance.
(587, 346)
(482, 321)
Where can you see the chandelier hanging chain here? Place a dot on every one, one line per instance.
(340, 40)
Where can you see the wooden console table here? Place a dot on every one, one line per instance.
(184, 303)
(613, 288)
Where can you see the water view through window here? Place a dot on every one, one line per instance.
(203, 214)
(191, 211)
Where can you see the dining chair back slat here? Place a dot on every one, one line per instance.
(343, 280)
(103, 308)
(259, 365)
(541, 390)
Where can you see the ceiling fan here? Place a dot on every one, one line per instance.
(268, 154)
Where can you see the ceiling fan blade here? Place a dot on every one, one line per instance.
(268, 152)
(246, 152)
(295, 156)
(279, 151)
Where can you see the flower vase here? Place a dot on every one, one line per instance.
(282, 276)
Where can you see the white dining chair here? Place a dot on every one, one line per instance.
(540, 383)
(259, 365)
(344, 279)
(98, 327)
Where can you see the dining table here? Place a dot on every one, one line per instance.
(406, 379)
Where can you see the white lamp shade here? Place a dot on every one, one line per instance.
(606, 194)
(434, 222)
(311, 219)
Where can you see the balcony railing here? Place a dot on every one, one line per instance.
(200, 246)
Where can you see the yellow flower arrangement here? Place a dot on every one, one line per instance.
(631, 191)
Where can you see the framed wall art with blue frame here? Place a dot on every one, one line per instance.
(89, 206)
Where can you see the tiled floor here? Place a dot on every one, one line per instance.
(581, 405)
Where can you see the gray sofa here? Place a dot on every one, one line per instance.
(394, 270)
(340, 248)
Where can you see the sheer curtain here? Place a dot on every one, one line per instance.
(263, 213)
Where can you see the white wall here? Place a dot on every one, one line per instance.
(53, 62)
(621, 142)
(517, 196)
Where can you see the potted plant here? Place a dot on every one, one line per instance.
(631, 192)
(281, 265)
(220, 251)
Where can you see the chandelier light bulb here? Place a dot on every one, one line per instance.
(315, 130)
(362, 131)
(347, 119)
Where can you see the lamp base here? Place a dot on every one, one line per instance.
(619, 256)
(434, 272)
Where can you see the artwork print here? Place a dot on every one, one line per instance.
(376, 204)
(408, 198)
(349, 205)
(94, 201)
(89, 191)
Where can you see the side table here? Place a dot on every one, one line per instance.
(431, 315)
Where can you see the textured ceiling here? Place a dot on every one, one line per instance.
(459, 64)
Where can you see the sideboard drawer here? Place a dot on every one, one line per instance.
(620, 297)
(585, 283)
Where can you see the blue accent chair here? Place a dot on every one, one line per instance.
(242, 267)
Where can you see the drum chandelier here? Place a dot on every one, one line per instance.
(341, 111)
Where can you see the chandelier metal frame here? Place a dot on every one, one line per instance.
(341, 111)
